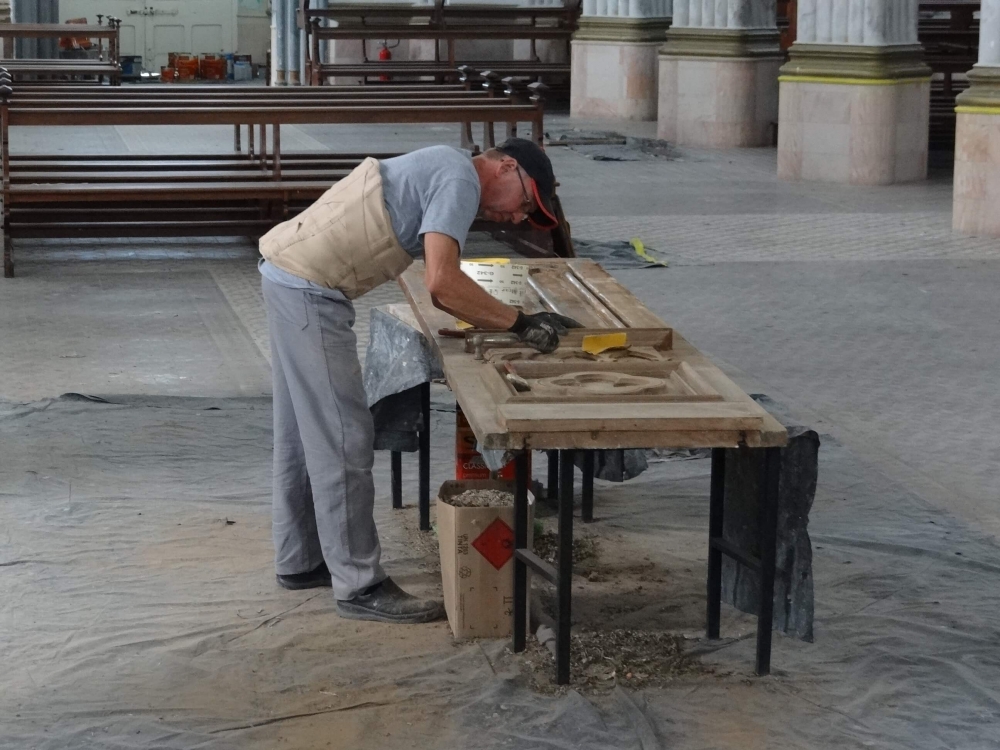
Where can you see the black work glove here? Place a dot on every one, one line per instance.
(561, 323)
(541, 330)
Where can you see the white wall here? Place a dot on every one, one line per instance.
(253, 33)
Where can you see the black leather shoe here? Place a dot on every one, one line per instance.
(386, 602)
(314, 579)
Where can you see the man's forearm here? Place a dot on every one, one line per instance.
(466, 300)
(456, 293)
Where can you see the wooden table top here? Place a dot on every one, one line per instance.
(698, 407)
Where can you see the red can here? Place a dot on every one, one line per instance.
(469, 462)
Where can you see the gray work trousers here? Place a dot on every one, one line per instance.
(324, 495)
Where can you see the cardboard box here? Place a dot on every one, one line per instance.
(477, 561)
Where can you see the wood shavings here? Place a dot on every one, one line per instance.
(482, 499)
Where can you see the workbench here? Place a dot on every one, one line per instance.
(666, 395)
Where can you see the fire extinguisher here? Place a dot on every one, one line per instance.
(383, 56)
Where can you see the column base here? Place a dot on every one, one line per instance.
(977, 155)
(857, 116)
(719, 87)
(613, 65)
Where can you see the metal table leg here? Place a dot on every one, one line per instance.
(552, 487)
(561, 577)
(768, 536)
(715, 516)
(587, 488)
(425, 458)
(396, 474)
(564, 589)
(764, 564)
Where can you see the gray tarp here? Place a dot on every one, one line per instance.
(138, 610)
(398, 356)
(398, 360)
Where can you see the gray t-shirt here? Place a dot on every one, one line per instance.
(433, 189)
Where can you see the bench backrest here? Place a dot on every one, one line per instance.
(439, 15)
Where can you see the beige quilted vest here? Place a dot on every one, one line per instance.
(342, 241)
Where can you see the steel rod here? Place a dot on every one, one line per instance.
(537, 564)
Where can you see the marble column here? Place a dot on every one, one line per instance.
(977, 137)
(719, 74)
(855, 95)
(613, 58)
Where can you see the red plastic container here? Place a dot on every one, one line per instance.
(213, 68)
(469, 462)
(187, 67)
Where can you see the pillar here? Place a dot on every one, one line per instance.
(855, 95)
(293, 43)
(718, 74)
(977, 137)
(279, 18)
(614, 58)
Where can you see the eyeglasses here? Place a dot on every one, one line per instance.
(526, 206)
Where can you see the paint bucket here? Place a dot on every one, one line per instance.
(187, 67)
(212, 67)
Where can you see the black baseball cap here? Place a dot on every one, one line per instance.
(537, 166)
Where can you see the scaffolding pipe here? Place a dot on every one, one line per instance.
(324, 46)
(304, 49)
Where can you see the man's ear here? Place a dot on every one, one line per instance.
(507, 164)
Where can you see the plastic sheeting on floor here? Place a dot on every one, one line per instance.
(138, 609)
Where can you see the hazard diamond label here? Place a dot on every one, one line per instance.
(496, 543)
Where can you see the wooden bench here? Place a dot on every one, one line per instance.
(371, 72)
(106, 66)
(484, 91)
(242, 193)
(439, 22)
